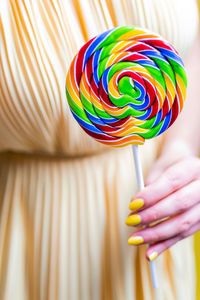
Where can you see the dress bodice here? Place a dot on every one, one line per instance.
(38, 41)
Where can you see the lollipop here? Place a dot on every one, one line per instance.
(124, 86)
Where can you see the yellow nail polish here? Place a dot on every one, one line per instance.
(136, 204)
(133, 220)
(135, 240)
(153, 255)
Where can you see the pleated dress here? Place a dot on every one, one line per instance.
(63, 196)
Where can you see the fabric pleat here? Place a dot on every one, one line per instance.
(63, 234)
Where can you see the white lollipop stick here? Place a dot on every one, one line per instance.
(140, 183)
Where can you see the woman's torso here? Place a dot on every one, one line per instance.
(39, 39)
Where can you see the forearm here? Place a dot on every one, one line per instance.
(186, 130)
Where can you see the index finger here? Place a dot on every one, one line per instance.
(174, 178)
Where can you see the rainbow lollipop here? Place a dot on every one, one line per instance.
(124, 86)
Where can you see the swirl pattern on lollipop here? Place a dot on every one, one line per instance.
(126, 85)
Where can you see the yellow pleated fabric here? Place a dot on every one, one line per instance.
(63, 196)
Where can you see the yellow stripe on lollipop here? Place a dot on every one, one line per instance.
(72, 91)
(127, 131)
(122, 45)
(84, 88)
(114, 111)
(137, 34)
(112, 86)
(115, 58)
(182, 86)
(170, 89)
(181, 90)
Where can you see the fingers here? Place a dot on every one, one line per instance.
(172, 205)
(171, 180)
(174, 152)
(177, 226)
(156, 249)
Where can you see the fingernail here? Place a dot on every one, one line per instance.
(133, 220)
(136, 204)
(153, 255)
(135, 240)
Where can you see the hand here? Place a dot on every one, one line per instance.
(170, 201)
